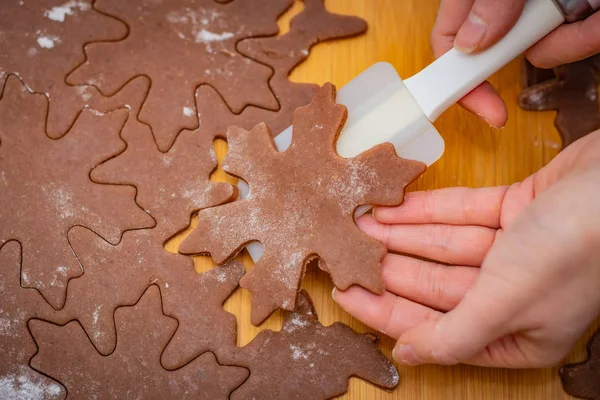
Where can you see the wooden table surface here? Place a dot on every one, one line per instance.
(476, 156)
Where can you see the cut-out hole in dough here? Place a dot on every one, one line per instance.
(221, 149)
(286, 18)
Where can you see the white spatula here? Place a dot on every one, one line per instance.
(383, 108)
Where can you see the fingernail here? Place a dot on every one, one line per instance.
(470, 34)
(333, 293)
(492, 125)
(489, 122)
(404, 354)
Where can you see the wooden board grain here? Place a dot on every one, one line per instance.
(476, 156)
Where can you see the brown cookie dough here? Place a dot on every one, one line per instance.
(172, 185)
(582, 380)
(133, 370)
(283, 53)
(306, 360)
(46, 188)
(300, 209)
(17, 306)
(118, 275)
(180, 45)
(42, 41)
(572, 90)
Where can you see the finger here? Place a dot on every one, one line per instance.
(484, 100)
(389, 314)
(487, 23)
(458, 245)
(505, 352)
(453, 206)
(568, 43)
(487, 104)
(451, 15)
(437, 286)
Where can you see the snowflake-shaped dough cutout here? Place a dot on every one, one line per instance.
(301, 205)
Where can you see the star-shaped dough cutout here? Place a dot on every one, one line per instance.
(321, 359)
(582, 380)
(133, 370)
(180, 45)
(46, 188)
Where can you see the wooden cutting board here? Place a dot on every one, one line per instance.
(476, 156)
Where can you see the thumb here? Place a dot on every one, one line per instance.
(458, 335)
(488, 22)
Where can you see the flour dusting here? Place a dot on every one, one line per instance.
(47, 42)
(205, 36)
(298, 353)
(63, 201)
(392, 378)
(59, 13)
(5, 326)
(25, 86)
(84, 92)
(295, 323)
(202, 26)
(221, 275)
(96, 314)
(188, 111)
(26, 384)
(289, 270)
(197, 196)
(345, 192)
(188, 16)
(322, 352)
(167, 161)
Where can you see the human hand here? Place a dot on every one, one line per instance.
(515, 279)
(473, 25)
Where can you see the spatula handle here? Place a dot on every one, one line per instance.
(455, 74)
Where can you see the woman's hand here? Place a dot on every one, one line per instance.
(473, 25)
(505, 277)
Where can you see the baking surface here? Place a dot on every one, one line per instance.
(476, 156)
